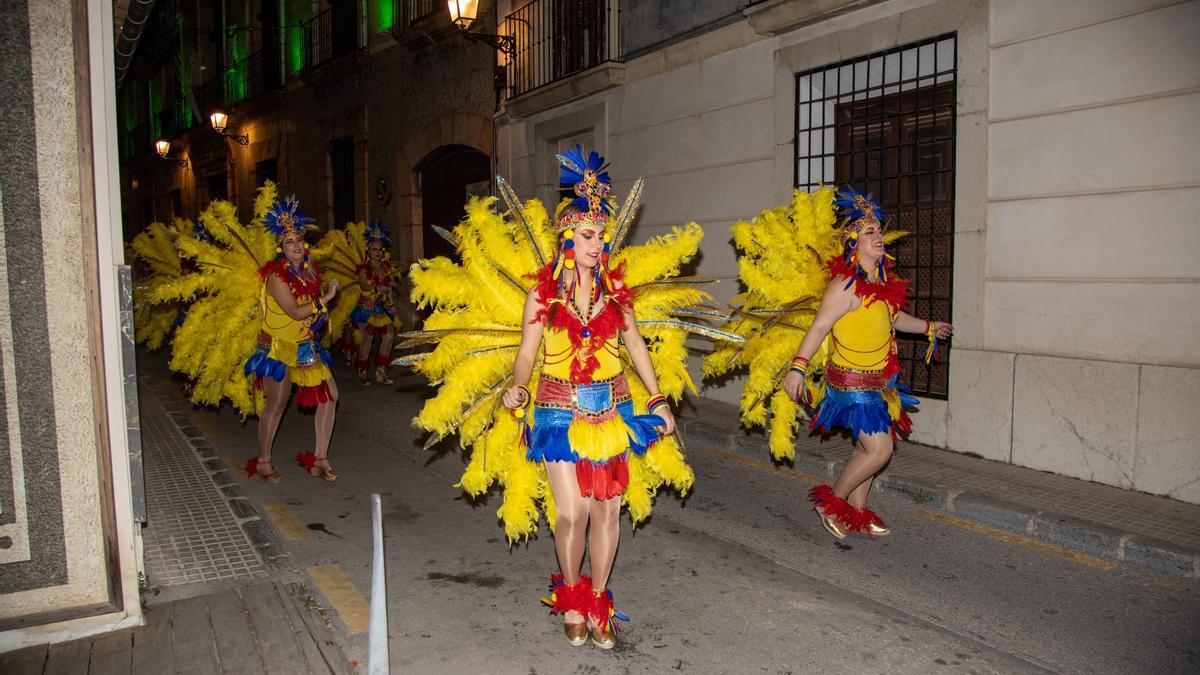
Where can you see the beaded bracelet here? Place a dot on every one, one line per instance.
(931, 352)
(519, 411)
(655, 402)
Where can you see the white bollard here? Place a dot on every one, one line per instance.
(377, 631)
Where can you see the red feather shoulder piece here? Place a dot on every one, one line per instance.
(586, 338)
(300, 287)
(894, 291)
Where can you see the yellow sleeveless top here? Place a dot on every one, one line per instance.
(286, 333)
(863, 338)
(558, 354)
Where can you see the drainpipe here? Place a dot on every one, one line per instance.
(131, 33)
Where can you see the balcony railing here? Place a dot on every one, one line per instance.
(332, 34)
(555, 40)
(210, 96)
(415, 10)
(253, 76)
(173, 120)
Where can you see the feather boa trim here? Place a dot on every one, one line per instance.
(833, 506)
(564, 597)
(894, 291)
(587, 338)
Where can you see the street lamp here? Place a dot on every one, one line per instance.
(219, 121)
(464, 12)
(162, 146)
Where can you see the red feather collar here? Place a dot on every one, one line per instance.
(302, 287)
(383, 279)
(894, 291)
(586, 338)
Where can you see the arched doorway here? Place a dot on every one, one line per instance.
(448, 175)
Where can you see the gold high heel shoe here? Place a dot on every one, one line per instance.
(832, 524)
(323, 472)
(604, 639)
(382, 376)
(271, 476)
(577, 633)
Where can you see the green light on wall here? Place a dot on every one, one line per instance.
(385, 11)
(295, 49)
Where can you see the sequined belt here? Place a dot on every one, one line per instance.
(595, 397)
(849, 379)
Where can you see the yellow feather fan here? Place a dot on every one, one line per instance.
(781, 262)
(156, 262)
(222, 326)
(476, 327)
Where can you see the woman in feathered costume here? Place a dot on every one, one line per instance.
(861, 310)
(293, 310)
(376, 310)
(584, 450)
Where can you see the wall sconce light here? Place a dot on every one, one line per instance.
(464, 12)
(219, 121)
(162, 146)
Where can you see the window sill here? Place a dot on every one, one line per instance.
(594, 80)
(780, 16)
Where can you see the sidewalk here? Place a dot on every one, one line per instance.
(221, 595)
(1156, 534)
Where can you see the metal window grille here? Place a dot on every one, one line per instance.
(415, 10)
(554, 40)
(885, 124)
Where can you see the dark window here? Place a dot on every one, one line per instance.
(266, 170)
(147, 212)
(176, 203)
(884, 123)
(216, 187)
(446, 177)
(341, 156)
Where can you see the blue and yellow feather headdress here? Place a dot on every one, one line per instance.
(285, 218)
(376, 232)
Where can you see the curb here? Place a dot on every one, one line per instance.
(263, 536)
(1062, 530)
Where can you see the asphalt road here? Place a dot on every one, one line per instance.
(737, 578)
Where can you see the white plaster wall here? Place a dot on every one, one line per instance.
(1076, 303)
(1091, 241)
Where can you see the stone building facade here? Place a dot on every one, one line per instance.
(1044, 148)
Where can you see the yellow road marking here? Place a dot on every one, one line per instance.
(1019, 540)
(342, 595)
(288, 525)
(237, 466)
(795, 475)
(206, 424)
(1003, 535)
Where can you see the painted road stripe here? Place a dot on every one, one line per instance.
(343, 596)
(237, 466)
(788, 473)
(285, 522)
(1019, 540)
(945, 518)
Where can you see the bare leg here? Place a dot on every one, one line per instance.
(326, 412)
(571, 526)
(385, 342)
(858, 496)
(364, 343)
(871, 454)
(276, 394)
(603, 537)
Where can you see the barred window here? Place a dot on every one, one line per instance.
(884, 123)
